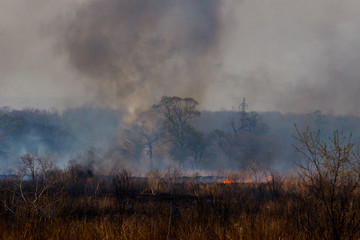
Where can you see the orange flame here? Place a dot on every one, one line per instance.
(268, 179)
(228, 180)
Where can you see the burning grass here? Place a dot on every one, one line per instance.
(164, 206)
(227, 181)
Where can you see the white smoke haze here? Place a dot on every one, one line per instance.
(292, 56)
(288, 56)
(30, 74)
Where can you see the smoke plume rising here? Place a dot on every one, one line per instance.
(136, 51)
(288, 56)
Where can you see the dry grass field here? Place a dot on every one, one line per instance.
(165, 206)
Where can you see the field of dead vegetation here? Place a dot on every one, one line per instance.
(163, 205)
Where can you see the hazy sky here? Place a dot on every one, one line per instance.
(282, 55)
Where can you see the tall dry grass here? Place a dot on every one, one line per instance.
(163, 206)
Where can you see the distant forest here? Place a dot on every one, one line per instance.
(101, 138)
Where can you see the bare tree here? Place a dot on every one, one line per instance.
(139, 137)
(150, 136)
(132, 143)
(40, 194)
(330, 171)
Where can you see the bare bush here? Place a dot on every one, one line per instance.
(122, 183)
(330, 173)
(274, 183)
(154, 181)
(39, 194)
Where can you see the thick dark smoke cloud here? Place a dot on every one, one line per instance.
(288, 56)
(136, 51)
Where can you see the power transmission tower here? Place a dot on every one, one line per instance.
(243, 106)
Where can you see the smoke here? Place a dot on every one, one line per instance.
(30, 74)
(287, 56)
(133, 52)
(290, 56)
(297, 56)
(283, 56)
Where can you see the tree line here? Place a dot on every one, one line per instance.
(172, 132)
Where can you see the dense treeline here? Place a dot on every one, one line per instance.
(63, 136)
(173, 132)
